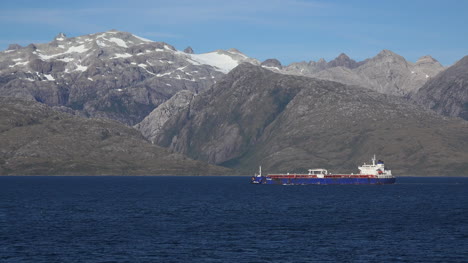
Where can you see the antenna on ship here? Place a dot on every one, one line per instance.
(260, 170)
(373, 160)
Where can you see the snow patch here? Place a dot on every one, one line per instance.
(238, 53)
(65, 59)
(164, 74)
(45, 57)
(81, 68)
(18, 64)
(125, 55)
(49, 77)
(143, 66)
(101, 44)
(222, 62)
(78, 49)
(118, 41)
(267, 67)
(143, 39)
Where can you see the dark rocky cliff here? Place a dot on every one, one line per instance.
(447, 93)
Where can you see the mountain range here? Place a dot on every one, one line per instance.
(121, 76)
(288, 123)
(387, 72)
(228, 109)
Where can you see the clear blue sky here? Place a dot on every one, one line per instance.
(295, 30)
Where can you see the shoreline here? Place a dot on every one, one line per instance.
(168, 175)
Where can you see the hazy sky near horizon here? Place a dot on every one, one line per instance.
(289, 30)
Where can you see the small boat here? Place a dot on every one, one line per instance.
(374, 173)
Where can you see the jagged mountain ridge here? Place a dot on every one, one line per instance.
(120, 76)
(290, 123)
(112, 74)
(37, 140)
(447, 93)
(387, 72)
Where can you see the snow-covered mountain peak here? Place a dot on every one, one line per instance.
(117, 38)
(109, 73)
(222, 60)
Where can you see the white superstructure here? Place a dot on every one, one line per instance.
(320, 173)
(377, 169)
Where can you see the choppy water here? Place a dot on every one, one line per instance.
(226, 219)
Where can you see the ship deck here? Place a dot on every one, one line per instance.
(278, 176)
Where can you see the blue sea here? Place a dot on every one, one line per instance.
(226, 219)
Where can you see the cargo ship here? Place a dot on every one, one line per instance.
(374, 173)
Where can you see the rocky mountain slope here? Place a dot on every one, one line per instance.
(151, 126)
(112, 74)
(37, 140)
(447, 93)
(288, 123)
